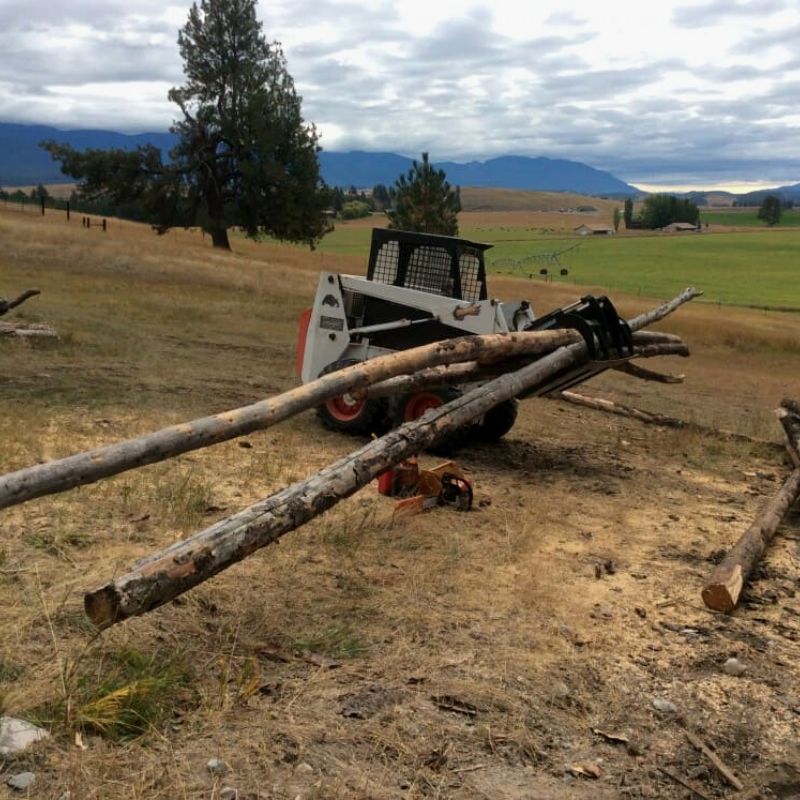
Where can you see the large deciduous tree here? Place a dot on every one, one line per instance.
(245, 157)
(771, 209)
(424, 201)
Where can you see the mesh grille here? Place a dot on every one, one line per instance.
(429, 271)
(429, 268)
(387, 262)
(469, 268)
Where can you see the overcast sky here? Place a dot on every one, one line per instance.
(682, 93)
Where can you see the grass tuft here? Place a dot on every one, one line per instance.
(125, 696)
(337, 640)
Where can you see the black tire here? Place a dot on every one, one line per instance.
(370, 417)
(498, 421)
(451, 442)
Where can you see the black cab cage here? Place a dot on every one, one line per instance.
(443, 265)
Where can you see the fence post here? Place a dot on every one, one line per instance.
(67, 210)
(104, 225)
(42, 200)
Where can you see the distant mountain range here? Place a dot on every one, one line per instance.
(23, 163)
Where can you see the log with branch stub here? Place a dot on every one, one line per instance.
(600, 404)
(724, 587)
(83, 468)
(164, 575)
(7, 305)
(648, 374)
(472, 371)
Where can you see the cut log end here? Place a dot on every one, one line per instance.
(723, 594)
(102, 607)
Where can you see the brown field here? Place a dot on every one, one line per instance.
(311, 667)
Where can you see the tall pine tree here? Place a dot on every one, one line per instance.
(424, 201)
(245, 157)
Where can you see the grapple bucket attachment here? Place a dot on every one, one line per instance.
(606, 334)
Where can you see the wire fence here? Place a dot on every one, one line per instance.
(45, 206)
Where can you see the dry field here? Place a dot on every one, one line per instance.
(452, 656)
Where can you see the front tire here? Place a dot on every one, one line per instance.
(412, 406)
(349, 414)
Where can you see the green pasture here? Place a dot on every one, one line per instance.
(747, 217)
(750, 269)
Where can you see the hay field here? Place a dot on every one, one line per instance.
(452, 656)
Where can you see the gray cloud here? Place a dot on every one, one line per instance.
(702, 15)
(762, 40)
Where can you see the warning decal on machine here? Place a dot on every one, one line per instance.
(331, 323)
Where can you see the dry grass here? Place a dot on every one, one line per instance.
(493, 613)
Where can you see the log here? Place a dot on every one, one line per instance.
(472, 371)
(652, 418)
(89, 467)
(647, 374)
(599, 404)
(165, 575)
(789, 417)
(7, 305)
(725, 585)
(28, 330)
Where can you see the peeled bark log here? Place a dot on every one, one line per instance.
(163, 576)
(83, 468)
(724, 588)
(28, 330)
(472, 371)
(599, 404)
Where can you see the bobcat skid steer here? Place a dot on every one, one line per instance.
(422, 288)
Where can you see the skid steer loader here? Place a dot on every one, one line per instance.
(421, 288)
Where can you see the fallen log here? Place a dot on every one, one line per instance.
(599, 404)
(647, 374)
(7, 305)
(725, 585)
(28, 330)
(652, 418)
(163, 576)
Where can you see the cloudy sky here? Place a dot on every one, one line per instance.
(682, 93)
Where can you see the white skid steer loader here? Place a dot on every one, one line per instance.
(421, 288)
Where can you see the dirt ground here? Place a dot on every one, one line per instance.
(552, 643)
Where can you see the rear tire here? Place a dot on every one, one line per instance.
(498, 421)
(412, 406)
(349, 414)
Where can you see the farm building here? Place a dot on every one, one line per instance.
(680, 227)
(594, 230)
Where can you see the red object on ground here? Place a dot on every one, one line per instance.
(385, 482)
